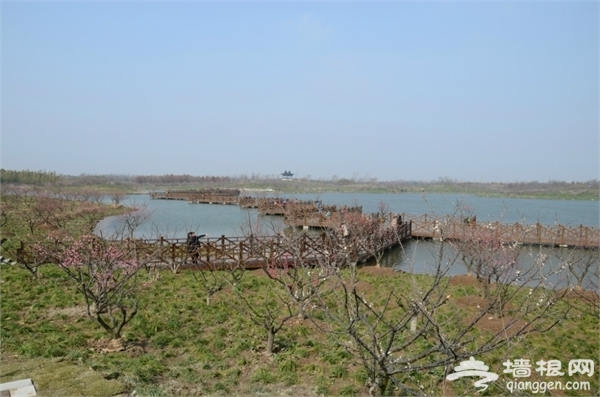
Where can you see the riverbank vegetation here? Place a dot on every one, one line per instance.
(119, 184)
(324, 328)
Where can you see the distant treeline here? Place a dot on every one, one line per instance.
(444, 184)
(158, 179)
(28, 177)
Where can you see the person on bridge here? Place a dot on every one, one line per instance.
(193, 242)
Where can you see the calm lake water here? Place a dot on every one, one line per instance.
(174, 218)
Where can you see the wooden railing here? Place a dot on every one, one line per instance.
(425, 226)
(291, 208)
(225, 196)
(255, 252)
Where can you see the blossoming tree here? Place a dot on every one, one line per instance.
(104, 272)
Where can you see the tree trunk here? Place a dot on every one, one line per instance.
(270, 341)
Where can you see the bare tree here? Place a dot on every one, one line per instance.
(302, 264)
(214, 276)
(211, 280)
(286, 260)
(413, 324)
(408, 324)
(268, 308)
(133, 219)
(581, 264)
(118, 197)
(583, 277)
(492, 260)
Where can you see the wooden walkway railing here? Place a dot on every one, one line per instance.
(209, 196)
(255, 252)
(450, 228)
(291, 207)
(265, 205)
(314, 214)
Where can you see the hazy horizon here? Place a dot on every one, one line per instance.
(334, 178)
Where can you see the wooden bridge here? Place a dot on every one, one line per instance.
(254, 252)
(315, 214)
(298, 213)
(295, 210)
(200, 196)
(451, 228)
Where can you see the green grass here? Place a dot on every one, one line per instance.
(177, 345)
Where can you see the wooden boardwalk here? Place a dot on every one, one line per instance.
(255, 252)
(450, 228)
(314, 214)
(200, 196)
(264, 205)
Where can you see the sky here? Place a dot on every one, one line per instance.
(472, 91)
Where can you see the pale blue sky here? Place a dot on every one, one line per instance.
(394, 91)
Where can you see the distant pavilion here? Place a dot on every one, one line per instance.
(287, 175)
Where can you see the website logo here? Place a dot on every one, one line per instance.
(474, 368)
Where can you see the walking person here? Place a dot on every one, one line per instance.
(193, 242)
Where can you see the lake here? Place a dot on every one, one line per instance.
(174, 218)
